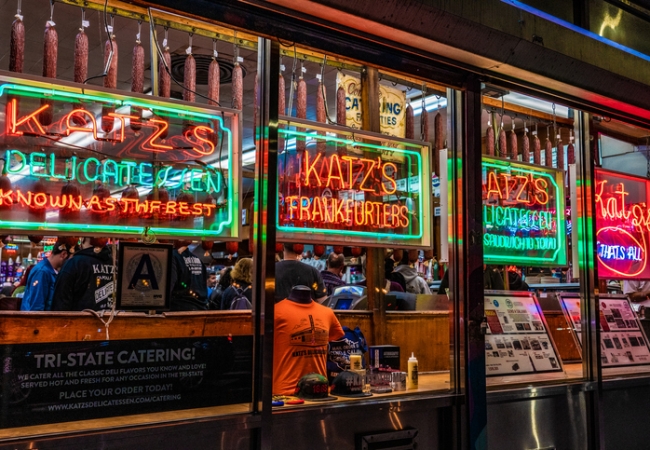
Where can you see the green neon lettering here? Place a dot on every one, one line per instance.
(53, 168)
(196, 176)
(35, 163)
(110, 172)
(211, 185)
(95, 176)
(127, 169)
(181, 180)
(144, 176)
(20, 156)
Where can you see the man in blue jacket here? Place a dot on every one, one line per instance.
(39, 289)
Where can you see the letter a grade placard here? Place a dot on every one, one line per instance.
(144, 277)
(83, 161)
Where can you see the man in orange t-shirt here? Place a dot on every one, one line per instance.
(302, 333)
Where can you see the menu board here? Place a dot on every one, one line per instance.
(517, 340)
(622, 340)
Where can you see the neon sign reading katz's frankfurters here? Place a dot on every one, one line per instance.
(84, 160)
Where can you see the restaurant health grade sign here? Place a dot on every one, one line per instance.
(80, 160)
(356, 188)
(523, 214)
(622, 225)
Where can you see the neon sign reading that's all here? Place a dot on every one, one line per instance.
(87, 160)
(522, 214)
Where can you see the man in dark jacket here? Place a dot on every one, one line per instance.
(86, 280)
(188, 280)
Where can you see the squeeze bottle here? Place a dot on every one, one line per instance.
(412, 376)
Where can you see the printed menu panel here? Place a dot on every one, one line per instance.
(517, 340)
(622, 340)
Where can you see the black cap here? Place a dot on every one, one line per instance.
(313, 387)
(349, 384)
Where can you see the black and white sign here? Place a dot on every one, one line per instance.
(517, 340)
(144, 277)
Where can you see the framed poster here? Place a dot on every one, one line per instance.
(517, 339)
(144, 277)
(622, 339)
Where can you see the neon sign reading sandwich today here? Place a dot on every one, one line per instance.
(352, 190)
(522, 214)
(81, 160)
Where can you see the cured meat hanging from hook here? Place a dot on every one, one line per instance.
(301, 109)
(489, 140)
(237, 85)
(514, 145)
(137, 78)
(189, 75)
(548, 152)
(321, 114)
(340, 106)
(164, 66)
(410, 122)
(537, 149)
(17, 49)
(214, 79)
(439, 130)
(50, 56)
(81, 56)
(525, 146)
(110, 80)
(503, 142)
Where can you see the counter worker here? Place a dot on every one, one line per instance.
(302, 332)
(212, 281)
(39, 286)
(290, 272)
(638, 292)
(86, 281)
(189, 279)
(332, 276)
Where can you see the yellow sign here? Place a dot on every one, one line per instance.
(392, 105)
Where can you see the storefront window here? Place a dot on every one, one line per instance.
(530, 272)
(360, 201)
(130, 164)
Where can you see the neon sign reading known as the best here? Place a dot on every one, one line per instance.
(623, 225)
(82, 160)
(353, 190)
(523, 210)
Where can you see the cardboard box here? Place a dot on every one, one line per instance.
(384, 356)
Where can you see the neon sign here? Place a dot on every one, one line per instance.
(358, 189)
(523, 209)
(116, 164)
(623, 225)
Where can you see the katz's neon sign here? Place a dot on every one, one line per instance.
(523, 214)
(623, 225)
(80, 160)
(353, 190)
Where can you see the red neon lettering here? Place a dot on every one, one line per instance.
(209, 207)
(522, 189)
(170, 208)
(121, 118)
(311, 168)
(13, 123)
(183, 209)
(493, 186)
(161, 127)
(541, 195)
(5, 197)
(317, 210)
(202, 141)
(368, 173)
(335, 164)
(81, 113)
(390, 179)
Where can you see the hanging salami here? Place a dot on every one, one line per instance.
(410, 122)
(439, 130)
(189, 79)
(514, 150)
(214, 81)
(164, 66)
(50, 56)
(237, 87)
(110, 80)
(548, 152)
(81, 56)
(17, 46)
(137, 79)
(489, 140)
(340, 106)
(503, 143)
(301, 109)
(525, 146)
(560, 152)
(537, 150)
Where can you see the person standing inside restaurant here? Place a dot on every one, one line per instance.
(332, 276)
(242, 277)
(86, 281)
(189, 279)
(290, 272)
(39, 286)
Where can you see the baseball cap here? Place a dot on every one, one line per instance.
(349, 384)
(313, 387)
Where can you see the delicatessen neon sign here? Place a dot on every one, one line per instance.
(352, 190)
(88, 160)
(523, 209)
(623, 225)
